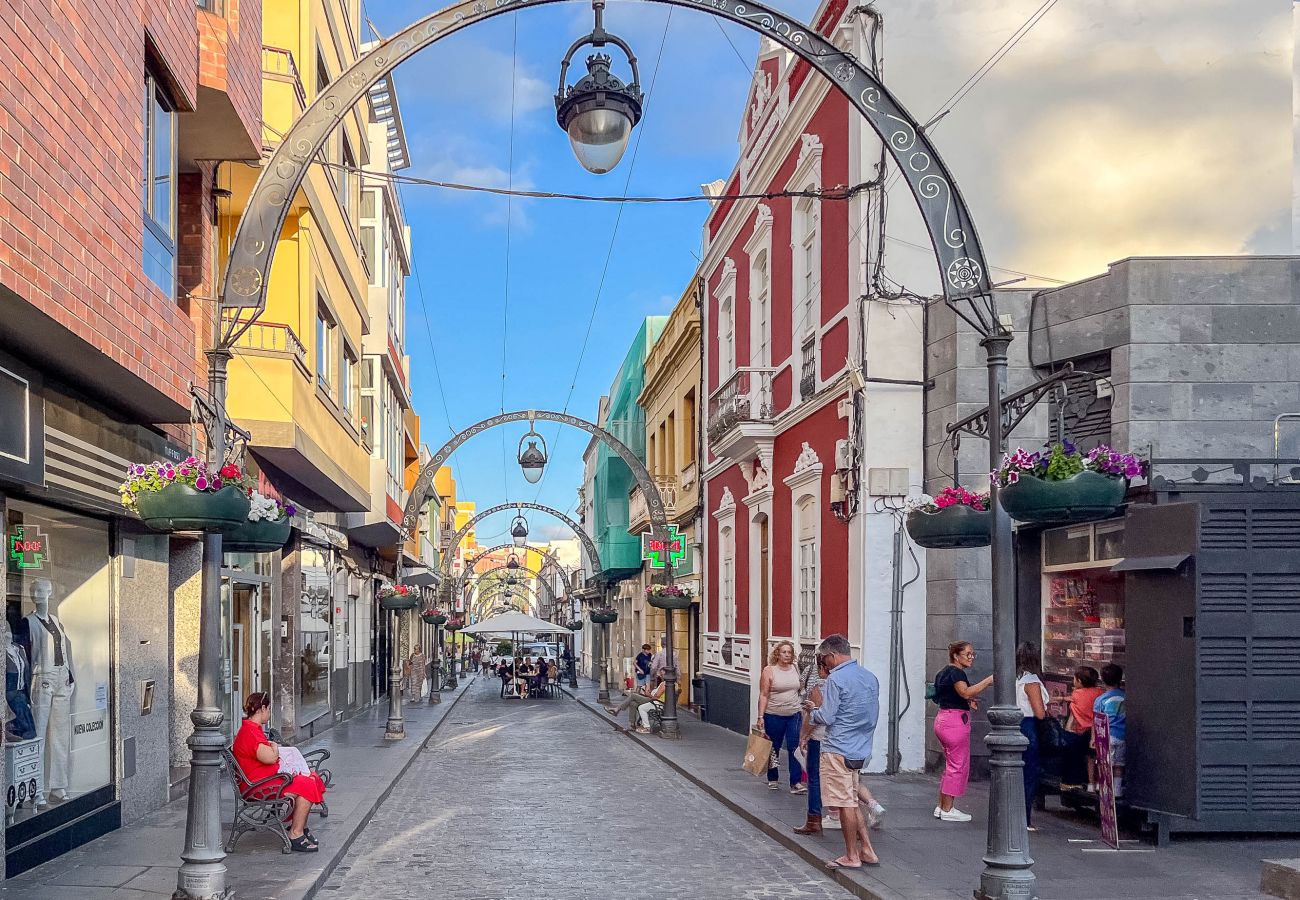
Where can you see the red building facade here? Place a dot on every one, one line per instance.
(781, 290)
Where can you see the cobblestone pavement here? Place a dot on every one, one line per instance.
(537, 800)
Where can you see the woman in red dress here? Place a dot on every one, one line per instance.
(259, 757)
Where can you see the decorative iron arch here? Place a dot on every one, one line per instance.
(593, 555)
(486, 554)
(549, 590)
(947, 219)
(424, 483)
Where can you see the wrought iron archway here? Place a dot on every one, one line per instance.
(593, 555)
(486, 555)
(522, 568)
(947, 219)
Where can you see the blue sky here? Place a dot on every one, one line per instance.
(456, 100)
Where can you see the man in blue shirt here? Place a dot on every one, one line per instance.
(849, 710)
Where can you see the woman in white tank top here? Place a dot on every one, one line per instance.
(779, 715)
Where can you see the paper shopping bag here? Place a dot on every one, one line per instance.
(757, 753)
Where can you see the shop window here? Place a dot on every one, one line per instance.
(159, 186)
(315, 623)
(58, 662)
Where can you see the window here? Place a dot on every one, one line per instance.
(727, 602)
(651, 459)
(213, 6)
(728, 315)
(368, 251)
(324, 345)
(806, 574)
(688, 415)
(807, 267)
(761, 310)
(396, 287)
(346, 178)
(322, 72)
(158, 194)
(670, 446)
(348, 383)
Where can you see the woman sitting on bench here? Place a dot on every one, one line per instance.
(259, 757)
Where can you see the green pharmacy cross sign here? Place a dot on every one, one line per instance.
(28, 548)
(663, 555)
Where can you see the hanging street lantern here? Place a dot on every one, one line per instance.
(600, 111)
(532, 459)
(519, 531)
(512, 562)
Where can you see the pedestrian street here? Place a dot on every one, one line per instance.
(538, 799)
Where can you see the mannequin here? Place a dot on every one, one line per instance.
(52, 681)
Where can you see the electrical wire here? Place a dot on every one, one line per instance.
(505, 303)
(835, 193)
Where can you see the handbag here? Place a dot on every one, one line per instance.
(758, 751)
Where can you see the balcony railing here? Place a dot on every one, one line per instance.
(744, 397)
(278, 64)
(638, 511)
(273, 339)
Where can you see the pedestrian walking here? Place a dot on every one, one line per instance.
(779, 715)
(956, 698)
(811, 736)
(1031, 697)
(643, 660)
(849, 709)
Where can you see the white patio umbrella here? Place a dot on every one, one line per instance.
(512, 623)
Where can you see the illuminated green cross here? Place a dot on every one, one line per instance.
(660, 554)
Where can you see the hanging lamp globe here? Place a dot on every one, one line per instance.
(532, 460)
(519, 531)
(512, 562)
(600, 111)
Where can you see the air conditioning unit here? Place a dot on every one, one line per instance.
(843, 455)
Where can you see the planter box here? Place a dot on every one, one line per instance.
(433, 620)
(398, 602)
(179, 507)
(261, 536)
(666, 602)
(1079, 498)
(603, 618)
(950, 528)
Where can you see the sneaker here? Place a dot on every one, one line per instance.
(954, 815)
(831, 823)
(799, 789)
(938, 812)
(773, 786)
(875, 815)
(1092, 788)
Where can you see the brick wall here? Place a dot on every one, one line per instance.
(230, 58)
(71, 138)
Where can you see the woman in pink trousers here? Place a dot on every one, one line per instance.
(955, 696)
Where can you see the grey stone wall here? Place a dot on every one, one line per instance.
(1205, 351)
(144, 654)
(185, 587)
(958, 602)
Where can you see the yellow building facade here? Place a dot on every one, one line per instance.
(671, 401)
(295, 379)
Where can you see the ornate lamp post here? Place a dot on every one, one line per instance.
(600, 111)
(1008, 869)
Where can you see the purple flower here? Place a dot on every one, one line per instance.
(139, 469)
(184, 471)
(290, 510)
(1013, 476)
(201, 483)
(216, 483)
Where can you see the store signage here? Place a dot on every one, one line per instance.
(28, 548)
(664, 554)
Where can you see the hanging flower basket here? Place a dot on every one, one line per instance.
(454, 624)
(603, 616)
(956, 518)
(433, 617)
(398, 597)
(575, 625)
(185, 496)
(1061, 485)
(668, 596)
(265, 530)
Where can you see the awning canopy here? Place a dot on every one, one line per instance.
(512, 622)
(424, 577)
(1150, 563)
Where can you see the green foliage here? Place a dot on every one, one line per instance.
(1062, 465)
(504, 648)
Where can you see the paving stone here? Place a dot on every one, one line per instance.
(537, 799)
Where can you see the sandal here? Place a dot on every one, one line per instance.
(302, 845)
(836, 864)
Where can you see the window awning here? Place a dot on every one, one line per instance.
(1150, 563)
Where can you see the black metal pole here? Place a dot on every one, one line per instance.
(202, 874)
(668, 726)
(435, 683)
(1008, 869)
(395, 728)
(602, 693)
